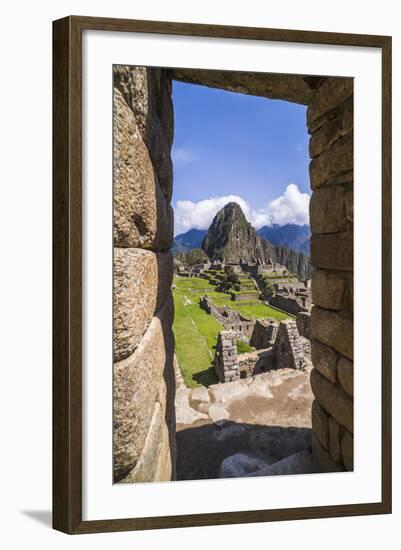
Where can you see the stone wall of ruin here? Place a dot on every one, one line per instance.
(303, 324)
(264, 333)
(289, 303)
(330, 123)
(229, 318)
(226, 358)
(144, 385)
(289, 346)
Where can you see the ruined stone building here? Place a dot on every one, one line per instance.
(292, 297)
(283, 347)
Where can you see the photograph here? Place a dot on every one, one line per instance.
(233, 258)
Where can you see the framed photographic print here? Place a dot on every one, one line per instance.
(222, 274)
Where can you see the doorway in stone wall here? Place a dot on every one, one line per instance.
(230, 394)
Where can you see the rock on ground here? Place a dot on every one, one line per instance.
(298, 463)
(240, 465)
(247, 465)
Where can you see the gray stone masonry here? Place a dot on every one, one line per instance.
(226, 358)
(289, 348)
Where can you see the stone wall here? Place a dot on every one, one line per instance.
(292, 297)
(230, 366)
(144, 384)
(230, 319)
(288, 302)
(286, 349)
(303, 324)
(256, 362)
(330, 123)
(264, 333)
(226, 358)
(289, 347)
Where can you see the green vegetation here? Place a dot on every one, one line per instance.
(195, 337)
(267, 288)
(229, 280)
(243, 347)
(192, 257)
(280, 277)
(256, 309)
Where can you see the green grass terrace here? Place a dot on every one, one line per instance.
(196, 331)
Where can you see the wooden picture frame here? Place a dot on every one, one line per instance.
(67, 273)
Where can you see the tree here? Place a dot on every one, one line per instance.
(230, 280)
(268, 289)
(180, 260)
(196, 256)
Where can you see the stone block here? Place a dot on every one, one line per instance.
(328, 97)
(324, 137)
(332, 129)
(335, 435)
(331, 209)
(333, 399)
(143, 216)
(334, 165)
(332, 290)
(333, 329)
(320, 424)
(161, 128)
(323, 458)
(345, 374)
(324, 359)
(347, 448)
(333, 251)
(137, 381)
(142, 283)
(147, 92)
(294, 88)
(155, 463)
(132, 83)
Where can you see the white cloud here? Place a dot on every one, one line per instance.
(291, 207)
(199, 215)
(182, 156)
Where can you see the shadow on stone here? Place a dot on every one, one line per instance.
(202, 449)
(206, 377)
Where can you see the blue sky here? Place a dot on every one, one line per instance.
(230, 146)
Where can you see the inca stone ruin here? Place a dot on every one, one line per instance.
(145, 404)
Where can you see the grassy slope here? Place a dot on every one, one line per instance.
(195, 335)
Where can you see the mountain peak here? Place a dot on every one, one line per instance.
(232, 238)
(231, 209)
(233, 206)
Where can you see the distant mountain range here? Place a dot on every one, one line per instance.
(289, 235)
(232, 238)
(189, 240)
